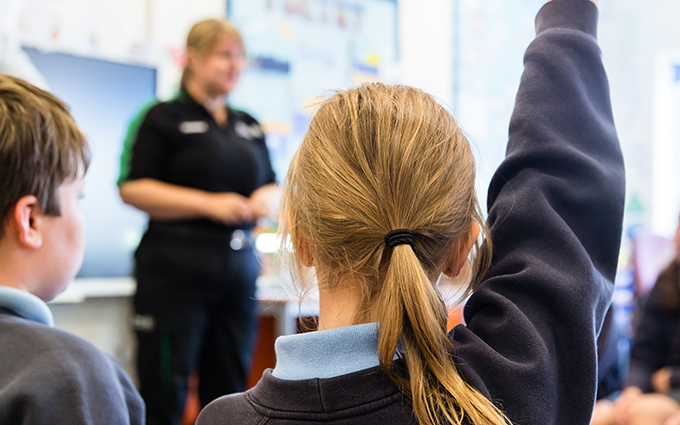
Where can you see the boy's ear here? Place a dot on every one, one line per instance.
(459, 254)
(26, 221)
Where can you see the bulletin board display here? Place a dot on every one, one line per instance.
(300, 50)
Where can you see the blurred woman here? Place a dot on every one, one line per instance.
(201, 170)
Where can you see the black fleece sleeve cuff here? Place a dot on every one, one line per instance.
(580, 15)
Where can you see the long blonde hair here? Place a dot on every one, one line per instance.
(203, 37)
(378, 158)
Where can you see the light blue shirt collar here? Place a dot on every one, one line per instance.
(326, 354)
(26, 305)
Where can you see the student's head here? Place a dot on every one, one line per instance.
(677, 242)
(375, 159)
(215, 56)
(43, 158)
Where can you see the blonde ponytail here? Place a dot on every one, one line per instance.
(413, 314)
(378, 158)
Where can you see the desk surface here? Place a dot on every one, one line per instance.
(269, 292)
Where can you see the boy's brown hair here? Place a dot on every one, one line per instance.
(40, 146)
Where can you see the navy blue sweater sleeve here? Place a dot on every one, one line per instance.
(555, 211)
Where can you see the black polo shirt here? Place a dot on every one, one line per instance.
(179, 142)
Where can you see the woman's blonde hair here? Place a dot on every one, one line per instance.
(203, 37)
(378, 158)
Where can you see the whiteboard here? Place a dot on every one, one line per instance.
(103, 97)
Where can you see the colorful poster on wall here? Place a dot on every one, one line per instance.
(300, 49)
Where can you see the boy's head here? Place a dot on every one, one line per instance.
(43, 158)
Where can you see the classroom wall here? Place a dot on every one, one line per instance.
(465, 52)
(170, 20)
(633, 35)
(490, 40)
(426, 42)
(90, 27)
(491, 37)
(468, 53)
(153, 32)
(425, 38)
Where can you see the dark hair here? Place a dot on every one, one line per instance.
(667, 288)
(40, 146)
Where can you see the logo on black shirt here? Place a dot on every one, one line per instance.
(193, 127)
(246, 131)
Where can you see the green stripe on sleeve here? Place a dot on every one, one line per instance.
(130, 138)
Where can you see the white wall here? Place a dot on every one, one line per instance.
(151, 32)
(154, 31)
(110, 27)
(426, 46)
(632, 35)
(89, 27)
(170, 20)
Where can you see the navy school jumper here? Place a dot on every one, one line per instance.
(555, 208)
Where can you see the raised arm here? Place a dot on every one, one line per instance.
(555, 208)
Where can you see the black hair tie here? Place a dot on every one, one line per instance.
(399, 237)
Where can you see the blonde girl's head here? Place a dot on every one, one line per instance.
(375, 159)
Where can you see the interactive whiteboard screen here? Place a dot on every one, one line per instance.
(103, 97)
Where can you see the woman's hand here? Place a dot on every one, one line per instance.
(265, 201)
(661, 380)
(229, 208)
(164, 201)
